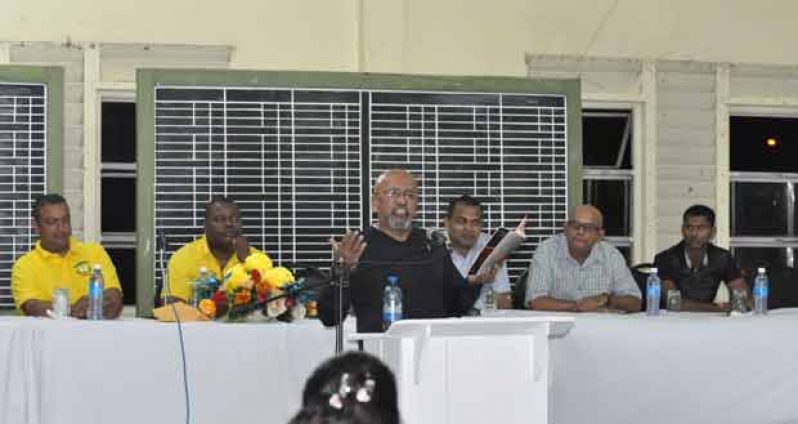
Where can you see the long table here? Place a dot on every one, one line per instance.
(683, 368)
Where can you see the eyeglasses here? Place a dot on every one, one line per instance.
(396, 192)
(583, 226)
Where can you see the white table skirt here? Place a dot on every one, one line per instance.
(129, 371)
(685, 368)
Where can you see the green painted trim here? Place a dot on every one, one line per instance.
(145, 198)
(148, 79)
(306, 79)
(53, 77)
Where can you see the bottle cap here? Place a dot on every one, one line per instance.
(203, 269)
(97, 267)
(761, 270)
(653, 270)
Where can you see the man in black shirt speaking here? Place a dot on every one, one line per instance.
(430, 283)
(695, 266)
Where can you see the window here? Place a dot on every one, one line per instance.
(764, 174)
(607, 171)
(299, 157)
(118, 186)
(31, 114)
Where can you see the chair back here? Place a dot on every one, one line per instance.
(783, 285)
(519, 290)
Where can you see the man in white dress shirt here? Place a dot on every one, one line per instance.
(463, 222)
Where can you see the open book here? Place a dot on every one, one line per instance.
(501, 244)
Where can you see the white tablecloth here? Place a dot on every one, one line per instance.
(684, 368)
(113, 372)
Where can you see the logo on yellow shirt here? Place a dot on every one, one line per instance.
(83, 268)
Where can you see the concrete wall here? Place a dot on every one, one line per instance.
(422, 36)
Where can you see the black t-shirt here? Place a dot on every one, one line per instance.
(430, 283)
(702, 283)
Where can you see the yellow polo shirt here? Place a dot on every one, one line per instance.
(37, 273)
(184, 266)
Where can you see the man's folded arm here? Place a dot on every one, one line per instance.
(625, 302)
(112, 303)
(548, 303)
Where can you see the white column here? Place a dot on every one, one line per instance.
(648, 175)
(91, 145)
(722, 190)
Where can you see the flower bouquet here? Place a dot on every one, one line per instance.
(255, 290)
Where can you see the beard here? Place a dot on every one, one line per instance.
(399, 222)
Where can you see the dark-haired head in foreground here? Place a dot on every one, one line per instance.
(351, 388)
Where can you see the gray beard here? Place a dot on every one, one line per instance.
(398, 223)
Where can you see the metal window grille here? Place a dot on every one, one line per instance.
(300, 162)
(23, 160)
(508, 150)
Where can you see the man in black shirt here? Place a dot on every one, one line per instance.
(430, 283)
(695, 266)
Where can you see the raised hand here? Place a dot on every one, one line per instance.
(521, 228)
(348, 250)
(241, 246)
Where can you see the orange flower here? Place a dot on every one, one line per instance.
(242, 297)
(208, 307)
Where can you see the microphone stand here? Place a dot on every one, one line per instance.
(341, 281)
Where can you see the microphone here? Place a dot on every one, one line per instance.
(161, 245)
(436, 239)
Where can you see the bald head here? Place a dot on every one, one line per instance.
(583, 230)
(394, 200)
(589, 213)
(391, 176)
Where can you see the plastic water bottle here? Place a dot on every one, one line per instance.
(200, 287)
(653, 287)
(96, 291)
(761, 292)
(490, 300)
(391, 302)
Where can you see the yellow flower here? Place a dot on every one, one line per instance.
(235, 278)
(258, 262)
(277, 277)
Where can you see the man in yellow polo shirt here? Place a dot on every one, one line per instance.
(60, 261)
(219, 249)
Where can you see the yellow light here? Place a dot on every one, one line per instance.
(772, 142)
